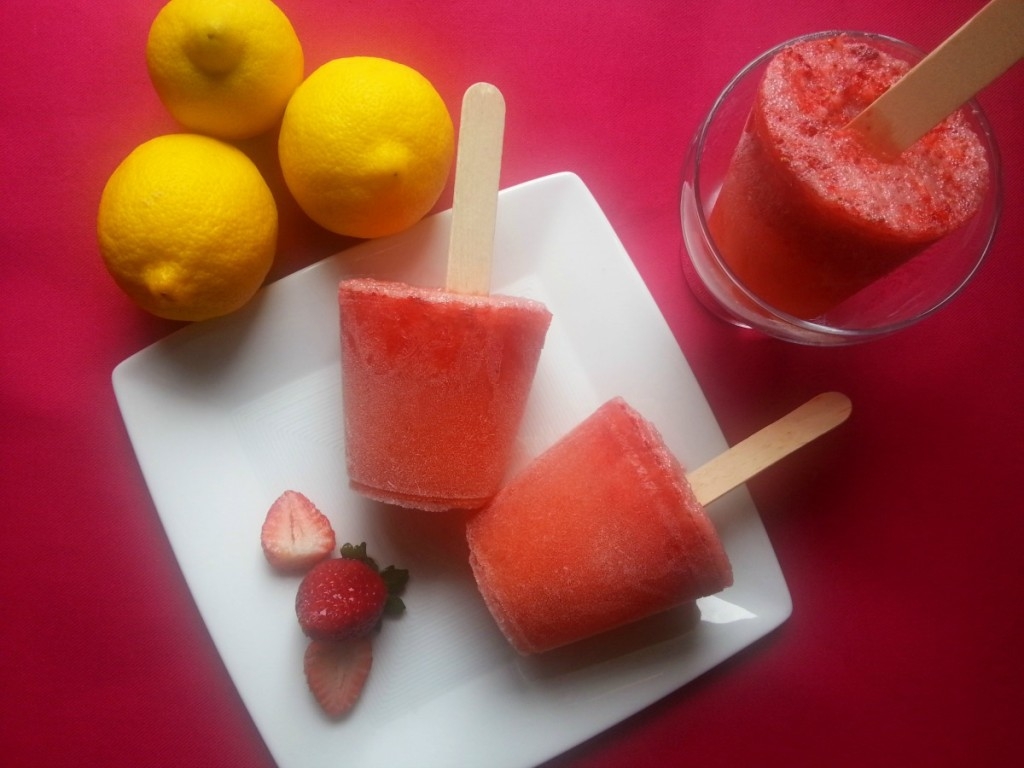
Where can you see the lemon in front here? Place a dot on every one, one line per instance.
(187, 227)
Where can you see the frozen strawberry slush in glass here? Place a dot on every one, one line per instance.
(794, 226)
(599, 531)
(434, 385)
(807, 216)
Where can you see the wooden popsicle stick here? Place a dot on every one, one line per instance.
(475, 202)
(766, 446)
(990, 43)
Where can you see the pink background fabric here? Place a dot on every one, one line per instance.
(900, 535)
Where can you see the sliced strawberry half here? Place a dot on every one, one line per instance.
(296, 535)
(336, 671)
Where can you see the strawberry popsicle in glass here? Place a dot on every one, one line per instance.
(807, 216)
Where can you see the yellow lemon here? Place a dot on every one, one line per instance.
(187, 227)
(366, 146)
(224, 67)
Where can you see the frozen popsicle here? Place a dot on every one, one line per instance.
(435, 381)
(807, 215)
(434, 388)
(604, 528)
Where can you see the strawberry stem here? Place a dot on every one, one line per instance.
(394, 578)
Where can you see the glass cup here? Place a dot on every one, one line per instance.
(904, 296)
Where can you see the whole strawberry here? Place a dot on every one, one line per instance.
(346, 597)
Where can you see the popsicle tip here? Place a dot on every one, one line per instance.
(484, 96)
(840, 403)
(485, 87)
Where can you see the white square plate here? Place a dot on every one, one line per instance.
(225, 415)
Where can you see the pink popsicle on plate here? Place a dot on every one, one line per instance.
(435, 382)
(604, 528)
(600, 530)
(434, 385)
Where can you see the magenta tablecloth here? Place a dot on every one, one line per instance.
(900, 536)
